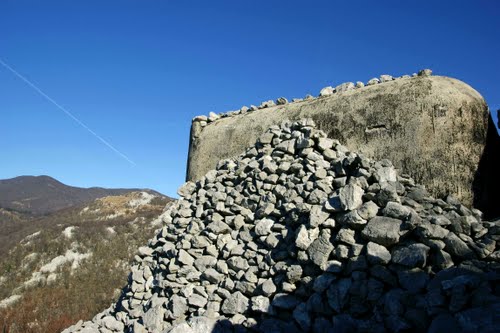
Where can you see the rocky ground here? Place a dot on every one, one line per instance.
(300, 235)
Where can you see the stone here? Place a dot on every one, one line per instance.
(372, 82)
(302, 317)
(212, 275)
(285, 301)
(263, 227)
(414, 255)
(383, 230)
(153, 319)
(305, 237)
(185, 258)
(320, 249)
(236, 303)
(425, 72)
(396, 210)
(238, 263)
(260, 304)
(344, 87)
(377, 254)
(281, 101)
(326, 91)
(386, 78)
(337, 294)
(457, 247)
(347, 198)
(268, 287)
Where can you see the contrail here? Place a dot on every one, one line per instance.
(69, 114)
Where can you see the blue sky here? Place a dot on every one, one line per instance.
(137, 72)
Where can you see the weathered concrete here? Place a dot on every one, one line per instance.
(431, 127)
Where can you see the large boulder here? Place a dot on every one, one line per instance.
(431, 127)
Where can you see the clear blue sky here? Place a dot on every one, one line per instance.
(137, 72)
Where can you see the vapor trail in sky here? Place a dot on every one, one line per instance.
(69, 114)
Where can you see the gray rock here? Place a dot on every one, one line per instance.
(457, 247)
(337, 294)
(383, 230)
(305, 237)
(386, 78)
(281, 101)
(234, 304)
(414, 255)
(377, 254)
(326, 91)
(268, 287)
(177, 306)
(372, 82)
(212, 275)
(260, 304)
(347, 198)
(238, 263)
(285, 301)
(396, 210)
(320, 249)
(185, 258)
(153, 319)
(302, 317)
(263, 227)
(425, 72)
(344, 87)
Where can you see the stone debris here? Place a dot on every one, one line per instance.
(268, 242)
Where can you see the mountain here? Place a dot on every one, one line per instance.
(47, 263)
(40, 195)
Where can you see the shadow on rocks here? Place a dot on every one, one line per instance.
(487, 178)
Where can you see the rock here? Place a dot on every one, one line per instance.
(285, 301)
(425, 72)
(238, 263)
(268, 287)
(338, 294)
(386, 78)
(260, 304)
(320, 249)
(457, 247)
(153, 319)
(112, 324)
(305, 237)
(347, 198)
(377, 254)
(302, 317)
(234, 304)
(326, 91)
(263, 227)
(344, 87)
(281, 101)
(396, 210)
(372, 82)
(185, 258)
(383, 230)
(414, 255)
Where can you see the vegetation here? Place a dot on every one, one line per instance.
(81, 292)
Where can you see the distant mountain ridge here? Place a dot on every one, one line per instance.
(40, 195)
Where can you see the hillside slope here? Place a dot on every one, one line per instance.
(73, 262)
(40, 195)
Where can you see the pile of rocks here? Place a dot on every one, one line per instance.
(300, 235)
(203, 120)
